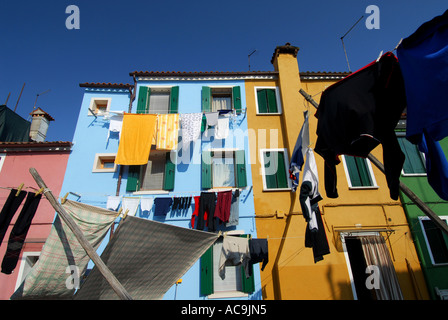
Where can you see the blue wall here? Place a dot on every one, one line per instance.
(90, 138)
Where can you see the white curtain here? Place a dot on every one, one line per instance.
(159, 102)
(221, 103)
(223, 172)
(377, 254)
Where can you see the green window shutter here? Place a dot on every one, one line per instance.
(262, 101)
(206, 272)
(247, 284)
(133, 179)
(272, 101)
(206, 170)
(203, 123)
(358, 171)
(270, 161)
(206, 98)
(143, 99)
(241, 176)
(413, 160)
(174, 100)
(170, 172)
(237, 99)
(282, 182)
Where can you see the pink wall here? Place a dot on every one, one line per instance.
(15, 170)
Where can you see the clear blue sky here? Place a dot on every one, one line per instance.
(118, 37)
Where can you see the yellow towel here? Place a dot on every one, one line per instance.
(167, 131)
(136, 137)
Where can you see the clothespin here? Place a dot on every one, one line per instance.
(379, 57)
(64, 198)
(19, 189)
(126, 214)
(219, 233)
(39, 192)
(119, 211)
(399, 42)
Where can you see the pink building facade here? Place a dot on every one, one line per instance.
(50, 160)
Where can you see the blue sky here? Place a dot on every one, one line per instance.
(118, 37)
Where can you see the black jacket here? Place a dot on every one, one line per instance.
(358, 113)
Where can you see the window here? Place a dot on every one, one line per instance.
(104, 162)
(274, 164)
(221, 98)
(267, 100)
(158, 100)
(359, 172)
(235, 283)
(223, 168)
(414, 163)
(99, 106)
(436, 240)
(29, 259)
(158, 174)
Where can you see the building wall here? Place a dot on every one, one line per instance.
(292, 273)
(15, 171)
(94, 188)
(435, 275)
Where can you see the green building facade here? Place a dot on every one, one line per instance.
(430, 242)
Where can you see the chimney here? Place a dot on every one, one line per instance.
(39, 125)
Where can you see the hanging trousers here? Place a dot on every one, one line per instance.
(9, 209)
(19, 232)
(206, 213)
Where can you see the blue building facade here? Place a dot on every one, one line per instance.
(208, 165)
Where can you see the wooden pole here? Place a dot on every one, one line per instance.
(108, 275)
(408, 192)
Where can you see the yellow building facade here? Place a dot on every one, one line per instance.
(275, 122)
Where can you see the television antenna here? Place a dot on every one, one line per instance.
(248, 56)
(37, 96)
(342, 40)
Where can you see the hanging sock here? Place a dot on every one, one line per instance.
(9, 209)
(19, 232)
(196, 211)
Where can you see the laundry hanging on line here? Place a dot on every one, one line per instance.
(161, 248)
(62, 250)
(21, 225)
(243, 250)
(298, 154)
(136, 139)
(358, 113)
(423, 58)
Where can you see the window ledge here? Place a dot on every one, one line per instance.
(227, 294)
(150, 192)
(364, 188)
(269, 114)
(279, 189)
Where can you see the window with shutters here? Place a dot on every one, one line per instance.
(157, 175)
(235, 283)
(414, 163)
(267, 100)
(274, 164)
(436, 240)
(159, 100)
(221, 98)
(359, 172)
(223, 168)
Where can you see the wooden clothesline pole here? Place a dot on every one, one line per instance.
(105, 271)
(408, 192)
